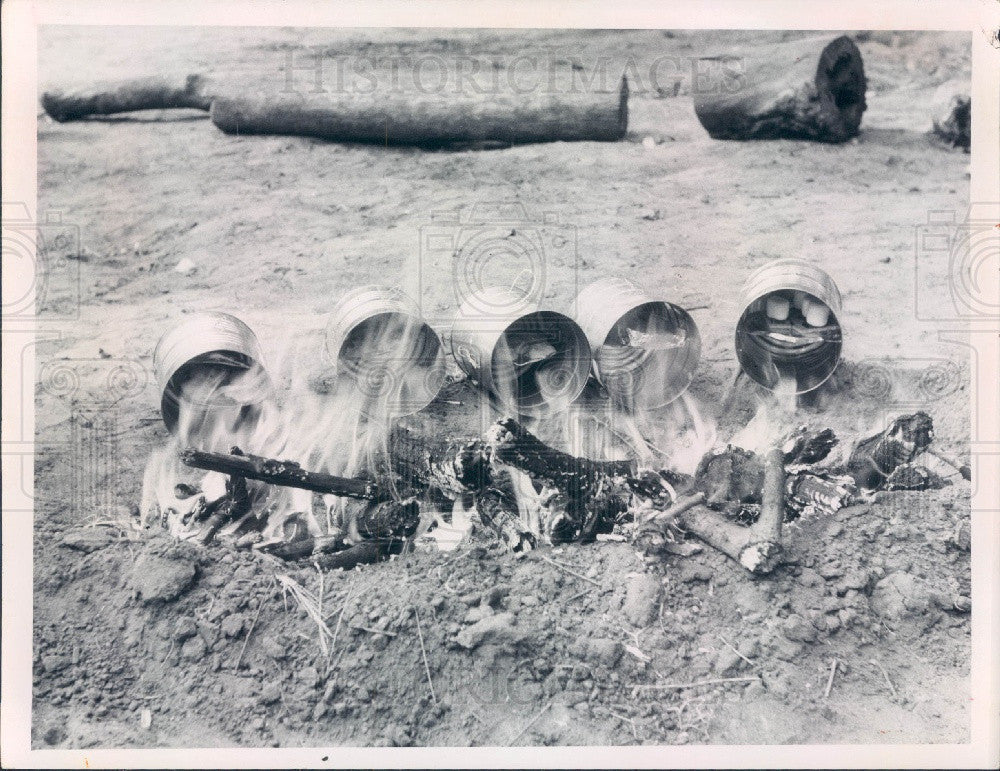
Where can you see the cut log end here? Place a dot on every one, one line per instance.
(804, 89)
(762, 557)
(841, 85)
(953, 123)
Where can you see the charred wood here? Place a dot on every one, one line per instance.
(876, 457)
(280, 472)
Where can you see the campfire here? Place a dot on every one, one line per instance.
(331, 474)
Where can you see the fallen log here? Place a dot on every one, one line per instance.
(430, 120)
(803, 89)
(154, 93)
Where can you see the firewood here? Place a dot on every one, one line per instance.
(363, 553)
(805, 448)
(429, 119)
(875, 458)
(910, 476)
(278, 472)
(388, 519)
(596, 493)
(498, 511)
(452, 465)
(819, 493)
(233, 505)
(802, 89)
(155, 93)
(732, 475)
(306, 547)
(758, 548)
(592, 495)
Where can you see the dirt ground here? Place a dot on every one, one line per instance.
(139, 641)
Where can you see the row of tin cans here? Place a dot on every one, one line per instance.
(642, 348)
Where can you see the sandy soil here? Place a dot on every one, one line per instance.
(278, 227)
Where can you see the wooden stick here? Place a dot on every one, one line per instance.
(885, 674)
(963, 469)
(757, 548)
(679, 507)
(233, 505)
(253, 625)
(716, 681)
(423, 652)
(276, 472)
(829, 682)
(734, 650)
(386, 632)
(571, 571)
(363, 553)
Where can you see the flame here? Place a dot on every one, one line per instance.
(336, 418)
(339, 430)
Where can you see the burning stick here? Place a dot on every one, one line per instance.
(235, 504)
(596, 492)
(279, 472)
(363, 553)
(498, 511)
(758, 548)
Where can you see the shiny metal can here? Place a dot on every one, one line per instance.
(210, 361)
(379, 342)
(646, 349)
(789, 330)
(533, 361)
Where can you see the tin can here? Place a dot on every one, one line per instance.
(210, 361)
(646, 350)
(789, 330)
(379, 342)
(534, 362)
